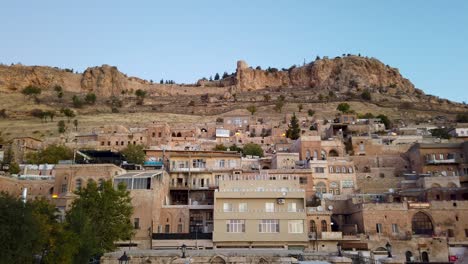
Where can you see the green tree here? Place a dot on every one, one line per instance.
(441, 133)
(225, 75)
(61, 127)
(279, 105)
(75, 123)
(366, 95)
(253, 149)
(216, 76)
(161, 81)
(140, 94)
(252, 109)
(77, 102)
(68, 113)
(311, 112)
(343, 107)
(366, 115)
(14, 168)
(59, 91)
(32, 92)
(220, 147)
(90, 98)
(385, 120)
(294, 131)
(300, 107)
(235, 148)
(99, 217)
(266, 98)
(52, 154)
(134, 154)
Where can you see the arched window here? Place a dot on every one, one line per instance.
(350, 170)
(334, 188)
(409, 256)
(425, 256)
(315, 154)
(173, 134)
(218, 260)
(179, 134)
(422, 224)
(321, 187)
(333, 153)
(338, 170)
(331, 169)
(308, 154)
(343, 169)
(313, 226)
(78, 184)
(324, 226)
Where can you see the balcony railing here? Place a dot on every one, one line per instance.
(261, 211)
(442, 161)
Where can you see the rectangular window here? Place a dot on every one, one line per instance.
(450, 233)
(227, 207)
(378, 228)
(466, 232)
(296, 226)
(302, 180)
(292, 207)
(64, 188)
(136, 223)
(242, 207)
(179, 228)
(395, 228)
(221, 163)
(268, 226)
(269, 207)
(235, 226)
(319, 170)
(198, 163)
(167, 229)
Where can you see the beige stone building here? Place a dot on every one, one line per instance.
(260, 211)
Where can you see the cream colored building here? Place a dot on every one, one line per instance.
(260, 211)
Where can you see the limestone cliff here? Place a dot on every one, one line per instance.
(340, 74)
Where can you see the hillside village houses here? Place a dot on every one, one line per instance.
(346, 181)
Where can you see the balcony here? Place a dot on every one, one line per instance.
(331, 236)
(442, 161)
(180, 236)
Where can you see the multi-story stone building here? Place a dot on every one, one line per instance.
(260, 211)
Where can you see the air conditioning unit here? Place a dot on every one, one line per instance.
(312, 235)
(280, 201)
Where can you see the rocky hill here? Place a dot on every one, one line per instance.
(341, 74)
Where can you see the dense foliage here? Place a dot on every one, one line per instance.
(50, 155)
(134, 154)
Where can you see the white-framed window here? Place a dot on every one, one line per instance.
(319, 170)
(199, 163)
(235, 226)
(441, 156)
(242, 207)
(269, 207)
(296, 226)
(395, 228)
(292, 207)
(330, 169)
(268, 226)
(221, 163)
(227, 207)
(350, 170)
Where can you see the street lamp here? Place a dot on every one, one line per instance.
(339, 249)
(124, 258)
(389, 249)
(183, 248)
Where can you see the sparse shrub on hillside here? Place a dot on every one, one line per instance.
(77, 102)
(343, 107)
(90, 98)
(272, 70)
(37, 113)
(68, 113)
(191, 103)
(225, 75)
(366, 95)
(266, 97)
(3, 113)
(279, 105)
(258, 68)
(61, 127)
(462, 118)
(300, 107)
(252, 109)
(32, 91)
(219, 120)
(385, 120)
(140, 94)
(311, 112)
(366, 115)
(320, 97)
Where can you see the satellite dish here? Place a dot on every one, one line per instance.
(319, 208)
(391, 190)
(330, 207)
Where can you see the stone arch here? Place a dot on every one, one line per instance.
(217, 260)
(324, 226)
(425, 256)
(179, 134)
(452, 185)
(173, 134)
(435, 185)
(51, 190)
(333, 153)
(204, 130)
(262, 261)
(421, 224)
(312, 226)
(380, 249)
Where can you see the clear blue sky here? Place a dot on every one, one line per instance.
(185, 40)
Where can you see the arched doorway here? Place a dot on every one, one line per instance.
(409, 256)
(422, 224)
(425, 257)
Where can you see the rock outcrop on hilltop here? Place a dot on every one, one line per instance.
(340, 74)
(105, 80)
